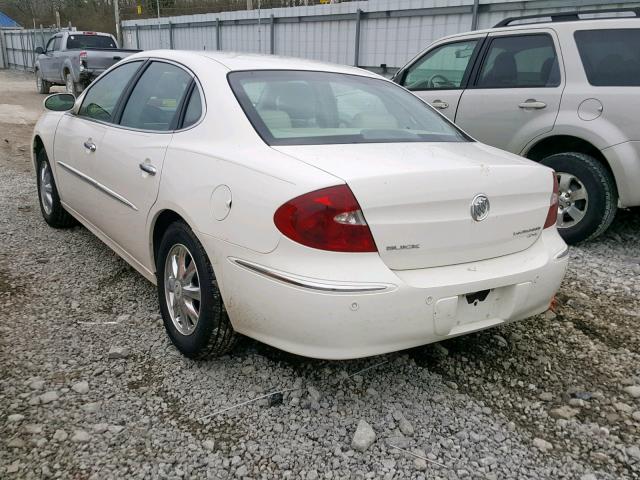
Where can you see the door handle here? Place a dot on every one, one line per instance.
(89, 145)
(439, 104)
(147, 167)
(532, 103)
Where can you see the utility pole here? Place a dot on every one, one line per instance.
(116, 13)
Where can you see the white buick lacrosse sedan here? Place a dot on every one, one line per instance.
(318, 208)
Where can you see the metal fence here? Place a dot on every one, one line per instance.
(371, 34)
(17, 46)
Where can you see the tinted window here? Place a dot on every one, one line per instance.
(56, 43)
(194, 109)
(313, 108)
(442, 68)
(156, 97)
(610, 57)
(520, 61)
(102, 97)
(90, 41)
(50, 44)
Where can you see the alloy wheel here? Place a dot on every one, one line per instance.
(573, 200)
(182, 289)
(46, 188)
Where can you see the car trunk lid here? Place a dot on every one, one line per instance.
(416, 198)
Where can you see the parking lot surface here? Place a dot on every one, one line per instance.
(90, 386)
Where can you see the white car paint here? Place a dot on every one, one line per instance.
(308, 301)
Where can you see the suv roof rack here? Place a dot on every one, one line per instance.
(566, 16)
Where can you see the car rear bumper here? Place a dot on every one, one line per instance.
(368, 309)
(624, 160)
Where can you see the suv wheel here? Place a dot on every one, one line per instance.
(190, 301)
(42, 85)
(588, 198)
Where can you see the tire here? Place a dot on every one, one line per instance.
(211, 333)
(70, 86)
(42, 85)
(599, 207)
(52, 210)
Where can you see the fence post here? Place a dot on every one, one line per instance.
(22, 50)
(356, 56)
(272, 35)
(170, 36)
(137, 38)
(3, 52)
(218, 25)
(474, 15)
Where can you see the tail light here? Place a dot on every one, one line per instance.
(552, 216)
(83, 55)
(327, 219)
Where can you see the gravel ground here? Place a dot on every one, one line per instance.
(90, 386)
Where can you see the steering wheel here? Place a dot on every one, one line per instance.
(438, 80)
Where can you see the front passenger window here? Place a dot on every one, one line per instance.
(442, 68)
(156, 97)
(100, 101)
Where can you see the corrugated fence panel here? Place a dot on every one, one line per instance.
(391, 31)
(18, 46)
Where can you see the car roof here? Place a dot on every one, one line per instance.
(235, 61)
(591, 24)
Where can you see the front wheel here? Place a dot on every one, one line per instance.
(52, 210)
(41, 84)
(192, 308)
(587, 195)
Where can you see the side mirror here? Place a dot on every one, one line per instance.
(60, 102)
(39, 50)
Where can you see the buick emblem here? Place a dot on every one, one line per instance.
(480, 207)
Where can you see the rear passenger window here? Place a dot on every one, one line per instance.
(611, 58)
(156, 97)
(194, 109)
(100, 101)
(519, 62)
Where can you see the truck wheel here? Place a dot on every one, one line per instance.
(192, 308)
(52, 210)
(588, 197)
(42, 85)
(70, 86)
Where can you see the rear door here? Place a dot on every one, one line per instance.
(441, 74)
(57, 59)
(47, 60)
(514, 93)
(134, 151)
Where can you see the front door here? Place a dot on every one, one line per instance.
(514, 95)
(440, 75)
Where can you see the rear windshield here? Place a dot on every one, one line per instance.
(611, 58)
(90, 41)
(289, 107)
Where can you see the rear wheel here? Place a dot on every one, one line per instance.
(52, 210)
(70, 86)
(587, 195)
(41, 84)
(192, 308)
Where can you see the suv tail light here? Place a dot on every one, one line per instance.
(552, 216)
(327, 219)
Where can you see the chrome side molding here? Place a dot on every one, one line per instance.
(98, 185)
(312, 284)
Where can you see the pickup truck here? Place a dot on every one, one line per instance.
(74, 59)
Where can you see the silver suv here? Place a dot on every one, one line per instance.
(559, 89)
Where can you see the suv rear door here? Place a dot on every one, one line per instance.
(440, 75)
(514, 92)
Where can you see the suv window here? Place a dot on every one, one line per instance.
(156, 97)
(520, 61)
(610, 57)
(100, 101)
(441, 68)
